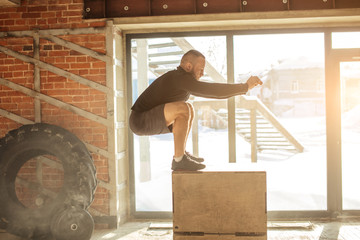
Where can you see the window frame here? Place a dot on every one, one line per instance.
(334, 195)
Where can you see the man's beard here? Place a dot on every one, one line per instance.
(193, 73)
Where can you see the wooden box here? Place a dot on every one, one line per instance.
(310, 4)
(264, 5)
(347, 4)
(216, 6)
(172, 7)
(228, 204)
(127, 8)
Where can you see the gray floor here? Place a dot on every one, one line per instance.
(346, 229)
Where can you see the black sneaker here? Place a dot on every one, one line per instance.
(186, 164)
(192, 157)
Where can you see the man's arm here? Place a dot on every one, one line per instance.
(218, 90)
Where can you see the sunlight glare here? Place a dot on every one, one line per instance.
(346, 40)
(109, 236)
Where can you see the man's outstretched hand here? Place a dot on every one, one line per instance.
(253, 81)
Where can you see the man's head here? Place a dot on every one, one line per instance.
(193, 62)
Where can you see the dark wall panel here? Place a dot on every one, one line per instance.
(135, 8)
(264, 5)
(127, 8)
(172, 7)
(216, 6)
(347, 3)
(310, 4)
(94, 9)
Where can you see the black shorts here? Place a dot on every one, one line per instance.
(151, 122)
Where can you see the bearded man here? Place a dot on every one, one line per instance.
(163, 107)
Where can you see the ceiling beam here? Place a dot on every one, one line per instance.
(241, 21)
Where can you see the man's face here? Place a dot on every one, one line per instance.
(198, 68)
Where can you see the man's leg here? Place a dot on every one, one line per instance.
(191, 118)
(180, 115)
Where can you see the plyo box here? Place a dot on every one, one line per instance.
(219, 205)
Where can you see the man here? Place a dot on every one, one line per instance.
(163, 107)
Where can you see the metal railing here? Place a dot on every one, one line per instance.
(255, 123)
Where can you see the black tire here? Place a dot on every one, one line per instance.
(30, 141)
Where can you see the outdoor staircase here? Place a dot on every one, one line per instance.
(254, 121)
(270, 135)
(173, 55)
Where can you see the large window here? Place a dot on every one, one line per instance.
(291, 147)
(152, 57)
(284, 127)
(350, 133)
(345, 40)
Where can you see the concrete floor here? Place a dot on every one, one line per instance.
(339, 230)
(348, 229)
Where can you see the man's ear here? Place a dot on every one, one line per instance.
(188, 67)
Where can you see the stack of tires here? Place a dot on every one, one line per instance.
(64, 217)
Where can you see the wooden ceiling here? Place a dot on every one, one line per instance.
(138, 8)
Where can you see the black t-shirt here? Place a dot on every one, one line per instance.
(177, 85)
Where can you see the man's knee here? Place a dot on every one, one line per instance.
(176, 110)
(183, 110)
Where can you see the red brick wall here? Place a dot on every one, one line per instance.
(45, 14)
(55, 14)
